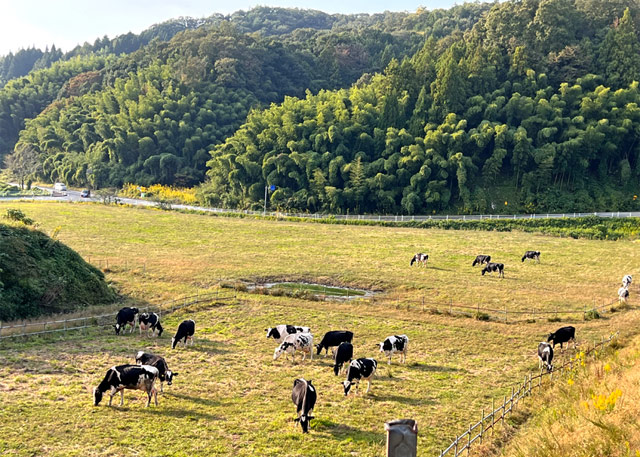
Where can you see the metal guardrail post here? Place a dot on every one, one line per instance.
(402, 438)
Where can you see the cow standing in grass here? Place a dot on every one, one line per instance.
(360, 369)
(393, 344)
(126, 316)
(280, 332)
(493, 267)
(563, 335)
(135, 377)
(420, 258)
(626, 281)
(545, 356)
(332, 339)
(302, 342)
(164, 373)
(185, 331)
(623, 294)
(481, 260)
(304, 396)
(531, 255)
(343, 356)
(150, 321)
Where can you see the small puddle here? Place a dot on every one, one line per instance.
(319, 290)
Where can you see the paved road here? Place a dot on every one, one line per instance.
(73, 195)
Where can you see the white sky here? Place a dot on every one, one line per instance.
(66, 23)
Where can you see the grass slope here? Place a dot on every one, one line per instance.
(230, 398)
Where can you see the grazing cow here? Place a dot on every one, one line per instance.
(304, 397)
(333, 338)
(164, 373)
(297, 342)
(626, 281)
(280, 332)
(420, 258)
(545, 356)
(360, 369)
(531, 255)
(136, 377)
(150, 321)
(344, 354)
(481, 260)
(563, 335)
(393, 344)
(125, 316)
(623, 294)
(491, 267)
(186, 329)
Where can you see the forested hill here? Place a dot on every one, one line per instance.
(534, 109)
(527, 105)
(153, 116)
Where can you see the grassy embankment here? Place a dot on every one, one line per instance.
(230, 398)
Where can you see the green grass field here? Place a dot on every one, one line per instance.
(230, 397)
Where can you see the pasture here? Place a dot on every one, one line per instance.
(230, 397)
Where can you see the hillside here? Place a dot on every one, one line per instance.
(595, 414)
(517, 106)
(40, 275)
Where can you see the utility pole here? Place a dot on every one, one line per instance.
(264, 212)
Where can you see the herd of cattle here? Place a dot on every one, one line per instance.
(292, 339)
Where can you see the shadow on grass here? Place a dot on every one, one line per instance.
(202, 345)
(199, 400)
(341, 432)
(163, 411)
(403, 400)
(432, 368)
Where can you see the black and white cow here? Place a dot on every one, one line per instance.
(531, 255)
(481, 260)
(623, 294)
(186, 329)
(492, 267)
(333, 338)
(563, 335)
(136, 377)
(126, 316)
(360, 369)
(344, 355)
(626, 281)
(420, 258)
(545, 356)
(393, 344)
(304, 396)
(280, 332)
(164, 373)
(150, 321)
(302, 342)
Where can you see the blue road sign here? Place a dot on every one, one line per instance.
(272, 187)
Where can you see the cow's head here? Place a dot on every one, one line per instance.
(135, 310)
(97, 396)
(551, 337)
(318, 348)
(347, 387)
(117, 327)
(273, 333)
(284, 347)
(168, 376)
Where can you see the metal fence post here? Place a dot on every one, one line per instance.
(402, 438)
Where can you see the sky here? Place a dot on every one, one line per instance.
(66, 23)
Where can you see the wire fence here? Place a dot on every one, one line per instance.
(33, 328)
(463, 443)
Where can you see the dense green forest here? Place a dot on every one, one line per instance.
(525, 105)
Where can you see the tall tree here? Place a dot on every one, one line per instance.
(620, 53)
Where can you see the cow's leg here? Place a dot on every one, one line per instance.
(155, 394)
(311, 352)
(161, 386)
(368, 385)
(121, 397)
(113, 392)
(389, 362)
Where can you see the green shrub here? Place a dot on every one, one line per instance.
(18, 216)
(591, 314)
